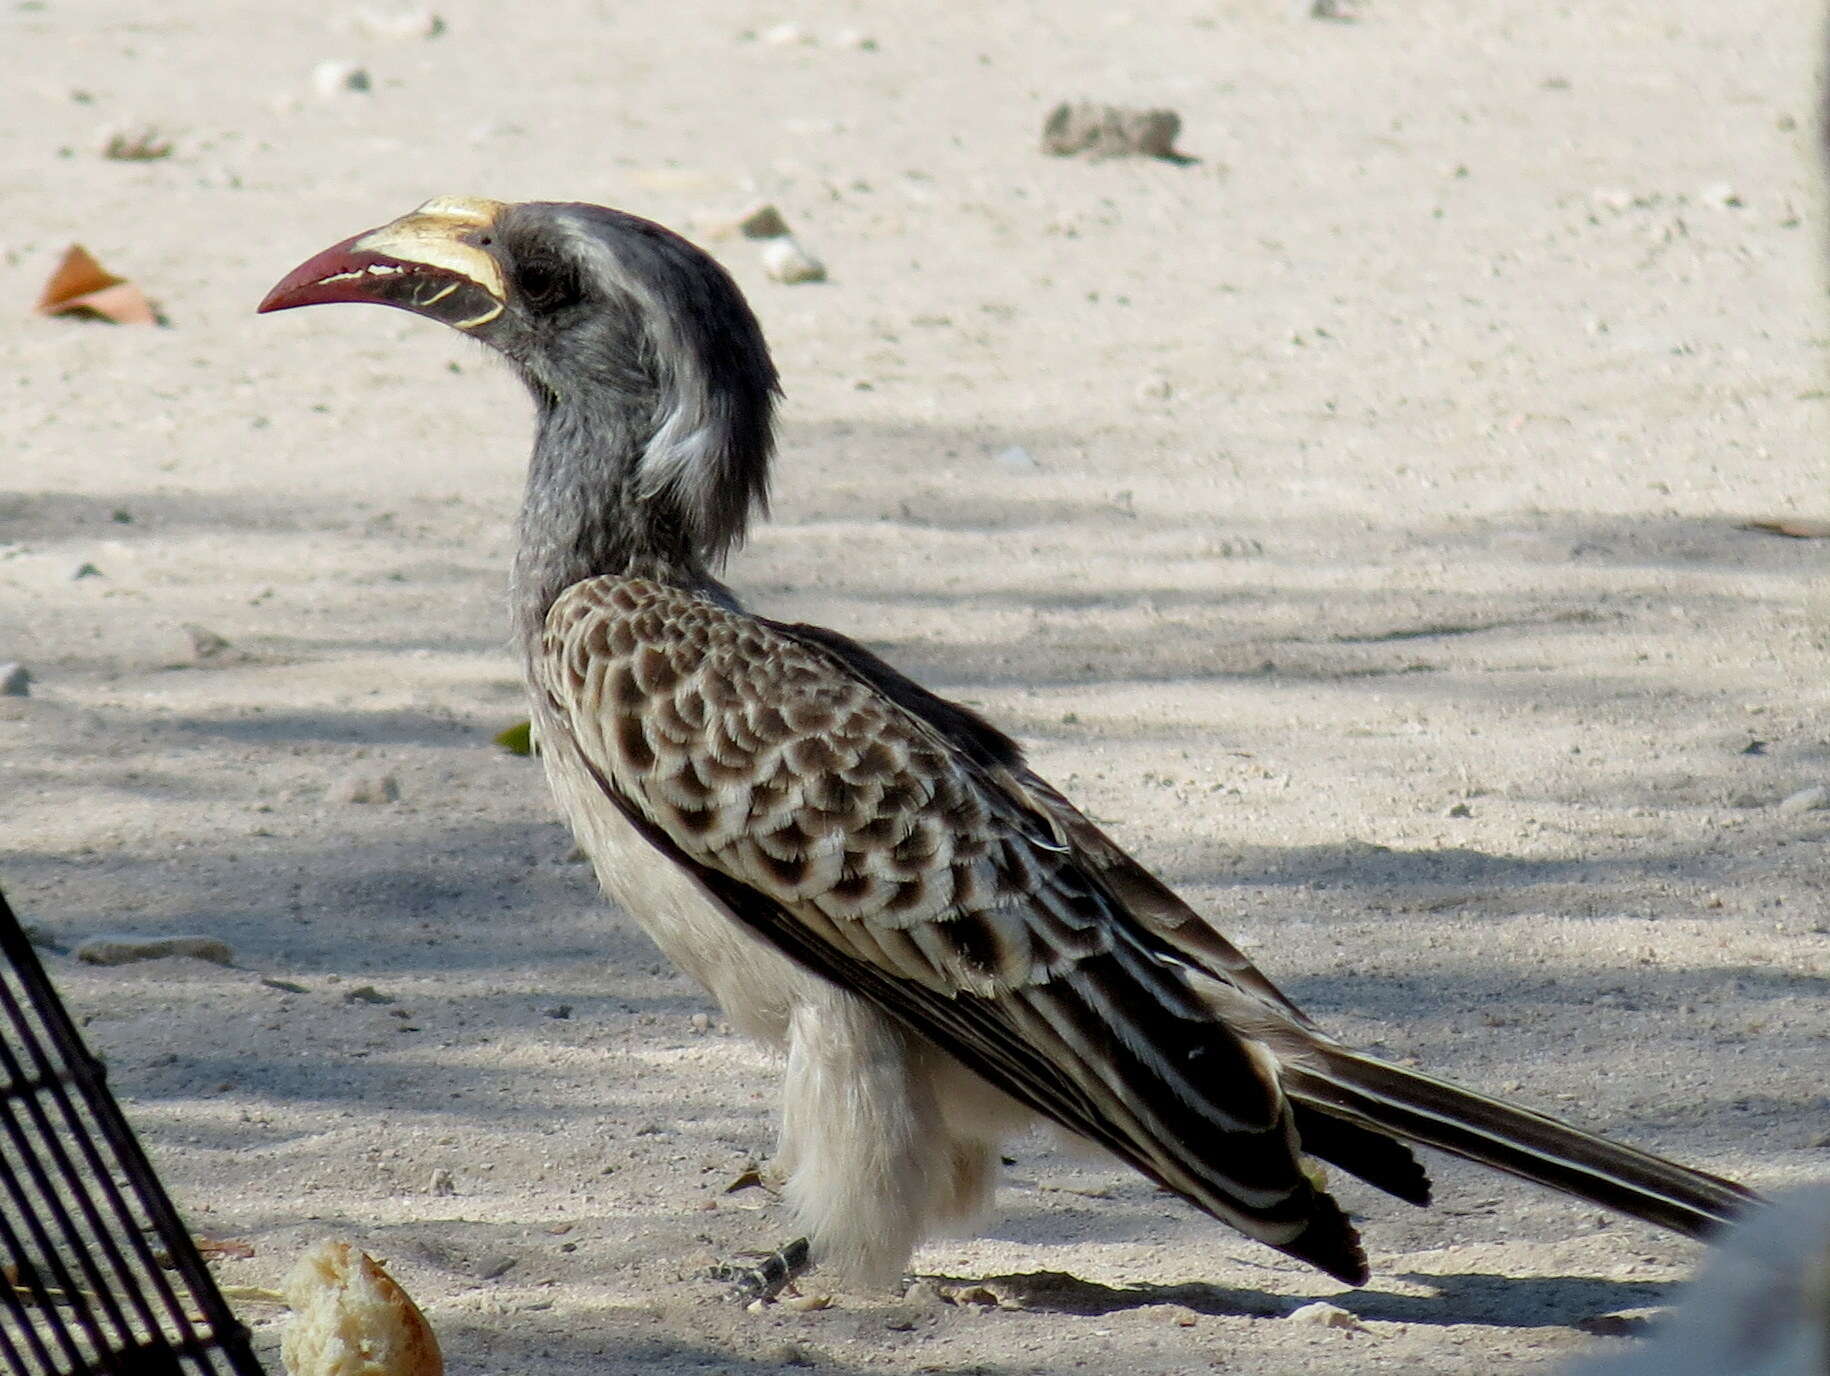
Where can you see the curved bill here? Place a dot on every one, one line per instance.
(433, 262)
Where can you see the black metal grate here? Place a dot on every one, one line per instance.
(100, 1275)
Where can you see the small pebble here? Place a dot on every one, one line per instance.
(85, 571)
(1458, 810)
(925, 1294)
(1805, 800)
(419, 23)
(364, 786)
(1155, 388)
(759, 220)
(1017, 459)
(205, 643)
(15, 681)
(496, 1266)
(762, 221)
(124, 950)
(1110, 131)
(1721, 196)
(787, 35)
(786, 261)
(1327, 1316)
(366, 993)
(855, 39)
(332, 80)
(701, 1024)
(144, 144)
(1624, 1324)
(441, 1183)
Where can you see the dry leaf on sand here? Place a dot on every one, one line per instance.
(82, 286)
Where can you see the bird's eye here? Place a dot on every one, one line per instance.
(545, 285)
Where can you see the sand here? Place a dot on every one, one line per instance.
(1348, 517)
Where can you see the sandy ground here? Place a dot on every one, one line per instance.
(1370, 565)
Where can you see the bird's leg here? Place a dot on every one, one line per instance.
(768, 1277)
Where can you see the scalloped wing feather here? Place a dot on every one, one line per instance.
(905, 851)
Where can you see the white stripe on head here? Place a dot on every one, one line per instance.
(678, 460)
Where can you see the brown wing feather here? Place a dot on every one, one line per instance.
(1152, 902)
(900, 849)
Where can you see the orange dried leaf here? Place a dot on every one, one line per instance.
(82, 286)
(77, 275)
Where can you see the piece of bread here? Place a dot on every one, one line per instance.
(350, 1318)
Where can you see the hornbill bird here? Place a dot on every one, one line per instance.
(866, 876)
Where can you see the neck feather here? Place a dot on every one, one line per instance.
(618, 485)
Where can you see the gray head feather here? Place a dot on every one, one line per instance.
(656, 397)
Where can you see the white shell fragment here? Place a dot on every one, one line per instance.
(785, 260)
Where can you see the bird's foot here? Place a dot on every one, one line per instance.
(766, 1277)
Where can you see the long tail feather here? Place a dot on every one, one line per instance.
(1374, 1095)
(1374, 1157)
